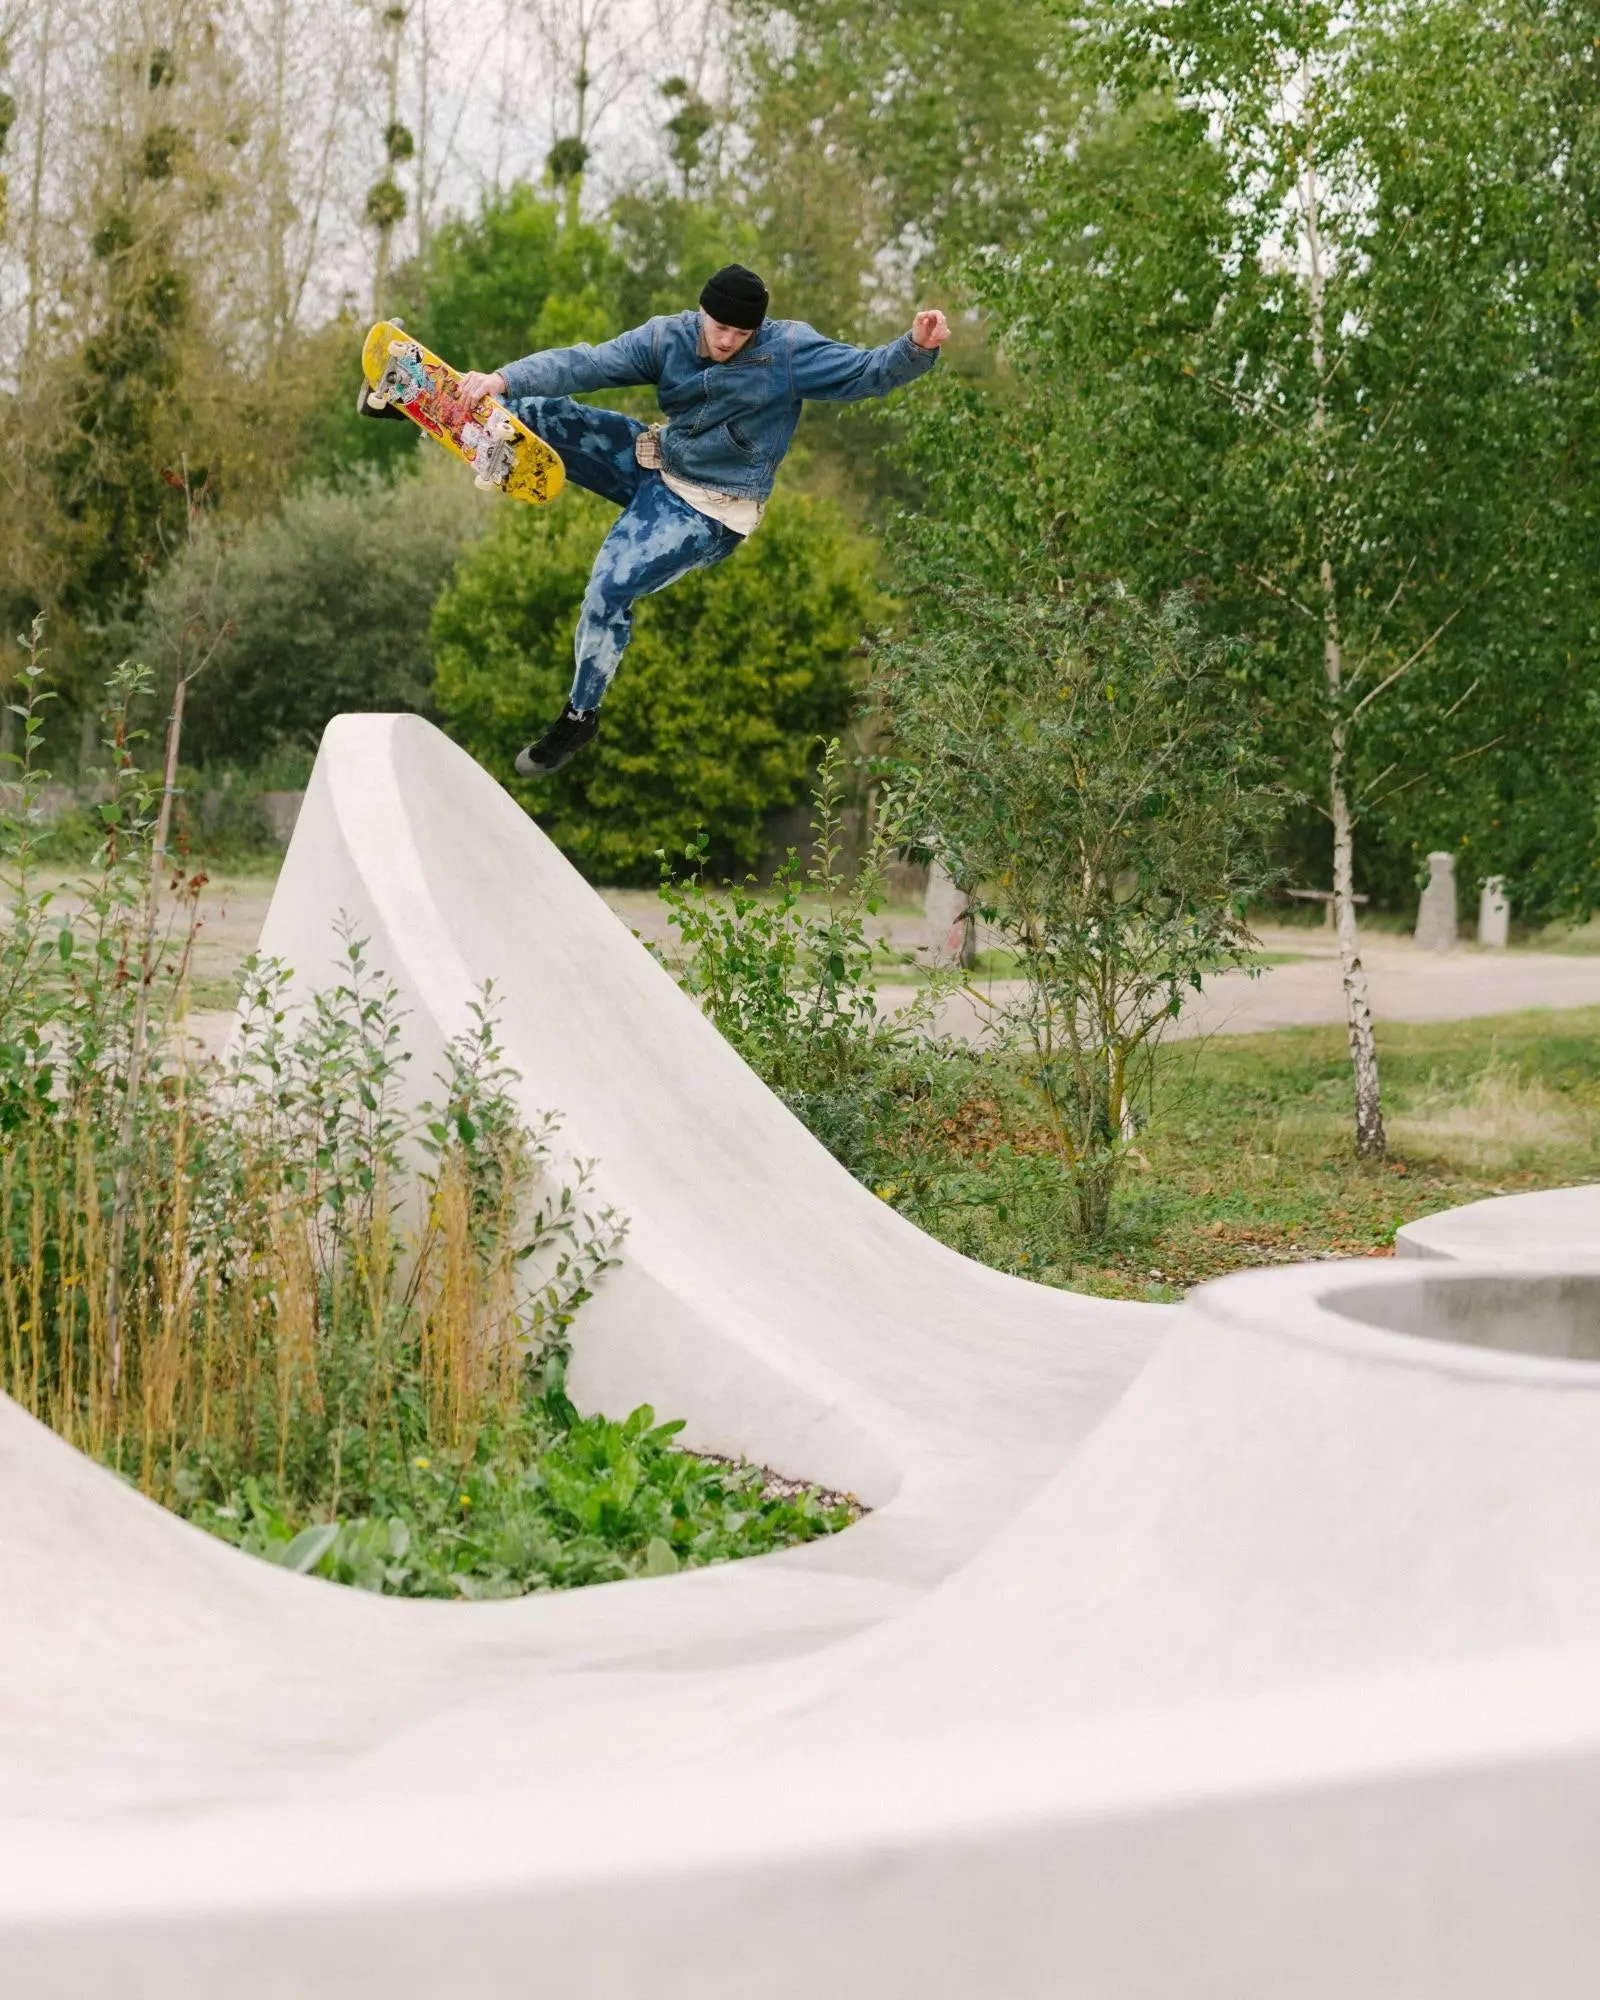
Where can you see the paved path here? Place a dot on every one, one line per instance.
(1406, 985)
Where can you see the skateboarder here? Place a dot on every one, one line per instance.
(730, 382)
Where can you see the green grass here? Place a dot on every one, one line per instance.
(1251, 1161)
(213, 996)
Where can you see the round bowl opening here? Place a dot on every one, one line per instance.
(1557, 1317)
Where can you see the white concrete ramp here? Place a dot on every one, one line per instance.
(1551, 1225)
(1268, 1667)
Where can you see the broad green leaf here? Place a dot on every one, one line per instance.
(309, 1547)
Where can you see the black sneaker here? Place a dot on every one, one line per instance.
(366, 407)
(561, 742)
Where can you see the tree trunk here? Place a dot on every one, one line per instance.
(394, 22)
(1370, 1140)
(276, 314)
(424, 60)
(127, 1124)
(34, 227)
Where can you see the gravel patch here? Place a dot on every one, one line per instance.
(778, 1486)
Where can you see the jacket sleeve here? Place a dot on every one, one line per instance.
(830, 371)
(632, 358)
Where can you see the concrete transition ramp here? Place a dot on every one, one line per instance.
(1555, 1225)
(1247, 1651)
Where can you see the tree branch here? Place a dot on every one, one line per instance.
(1427, 645)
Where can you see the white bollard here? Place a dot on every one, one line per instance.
(946, 927)
(1494, 914)
(1436, 915)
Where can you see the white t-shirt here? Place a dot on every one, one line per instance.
(731, 509)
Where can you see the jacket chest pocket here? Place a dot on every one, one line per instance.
(746, 385)
(735, 394)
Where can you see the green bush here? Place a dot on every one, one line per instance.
(1091, 770)
(510, 280)
(320, 608)
(790, 979)
(733, 675)
(496, 285)
(280, 1295)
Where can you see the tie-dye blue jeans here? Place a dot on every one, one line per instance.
(656, 539)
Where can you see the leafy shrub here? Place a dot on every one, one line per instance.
(732, 675)
(1092, 771)
(320, 607)
(510, 280)
(789, 977)
(328, 1326)
(547, 1500)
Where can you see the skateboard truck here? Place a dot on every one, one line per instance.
(403, 376)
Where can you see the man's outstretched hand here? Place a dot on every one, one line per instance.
(930, 329)
(474, 387)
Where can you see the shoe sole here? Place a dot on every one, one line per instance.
(526, 769)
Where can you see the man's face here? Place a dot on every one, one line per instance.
(722, 342)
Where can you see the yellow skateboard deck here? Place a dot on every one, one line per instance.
(503, 453)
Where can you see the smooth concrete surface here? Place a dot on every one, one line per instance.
(1243, 1652)
(1437, 927)
(1494, 914)
(1551, 1227)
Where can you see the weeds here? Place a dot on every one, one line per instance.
(789, 977)
(280, 1295)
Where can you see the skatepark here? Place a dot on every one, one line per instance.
(1243, 1648)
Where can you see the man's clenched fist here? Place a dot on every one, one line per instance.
(930, 329)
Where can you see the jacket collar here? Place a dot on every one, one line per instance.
(701, 352)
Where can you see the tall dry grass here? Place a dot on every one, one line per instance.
(280, 1265)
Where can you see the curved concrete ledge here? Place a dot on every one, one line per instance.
(764, 1295)
(1554, 1226)
(1267, 1666)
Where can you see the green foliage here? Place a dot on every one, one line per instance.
(668, 244)
(1172, 426)
(1091, 772)
(510, 279)
(283, 1298)
(320, 607)
(789, 977)
(548, 1500)
(885, 137)
(116, 507)
(731, 677)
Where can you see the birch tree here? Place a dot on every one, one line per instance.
(1283, 339)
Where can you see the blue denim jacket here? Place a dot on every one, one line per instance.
(731, 421)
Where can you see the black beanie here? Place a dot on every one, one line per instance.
(735, 297)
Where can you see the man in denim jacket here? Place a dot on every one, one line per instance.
(730, 382)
